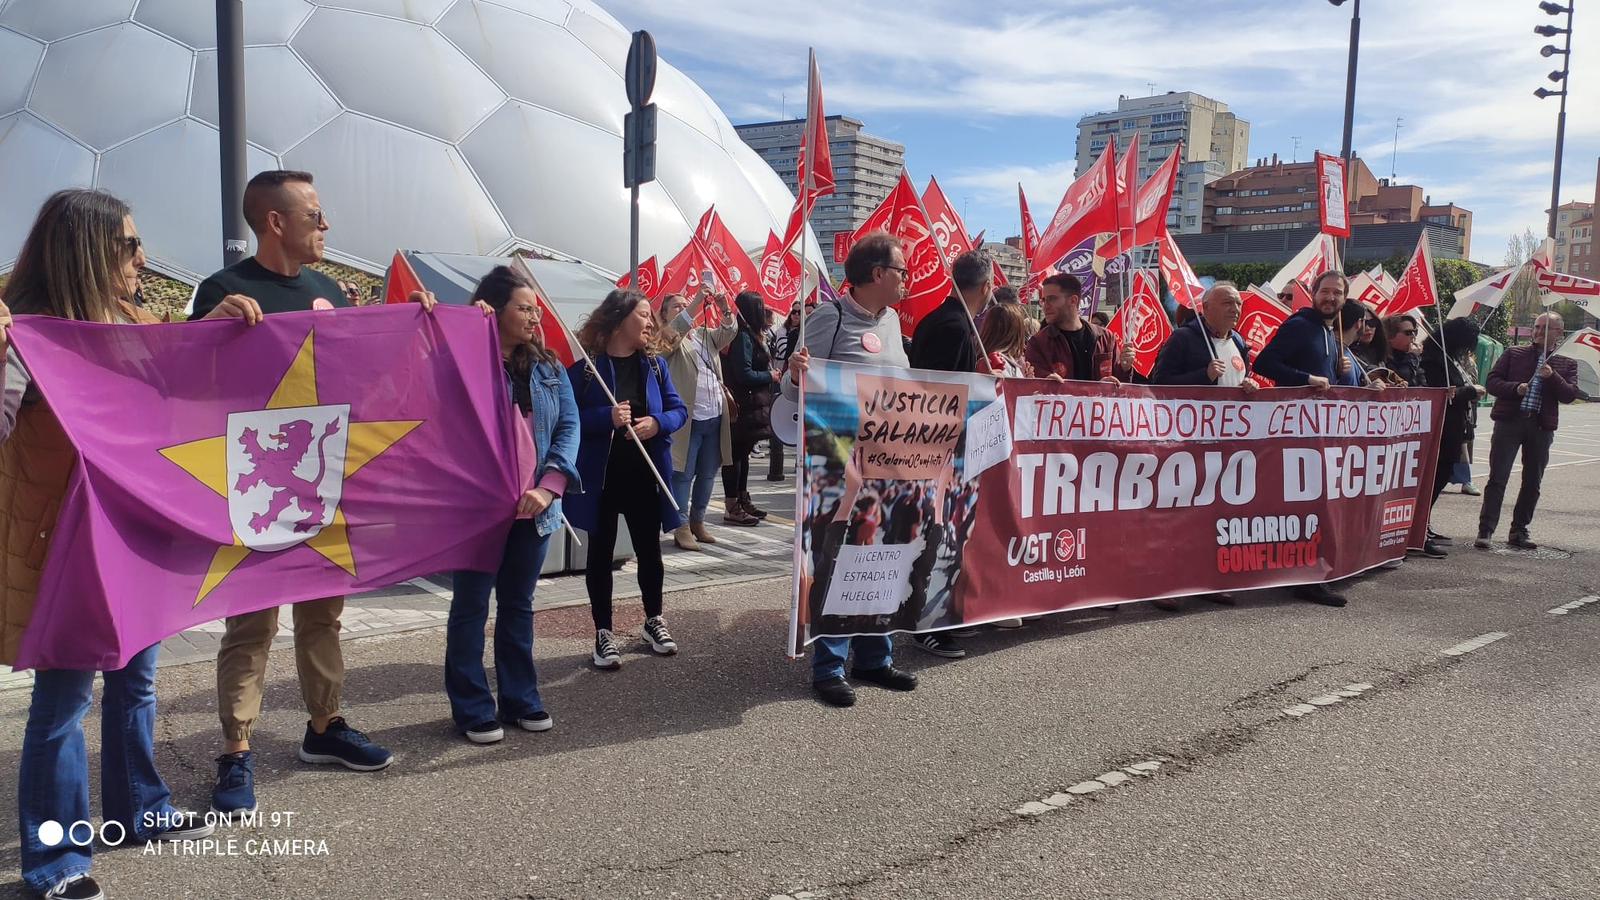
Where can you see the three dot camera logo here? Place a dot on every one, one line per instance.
(112, 834)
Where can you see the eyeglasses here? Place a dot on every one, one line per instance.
(901, 269)
(133, 243)
(317, 216)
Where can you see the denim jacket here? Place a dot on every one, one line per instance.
(555, 435)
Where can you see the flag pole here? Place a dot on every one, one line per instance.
(802, 456)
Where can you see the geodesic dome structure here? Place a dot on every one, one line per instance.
(459, 126)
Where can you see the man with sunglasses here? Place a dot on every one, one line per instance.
(283, 211)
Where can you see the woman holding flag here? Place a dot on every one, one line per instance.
(628, 409)
(538, 388)
(80, 261)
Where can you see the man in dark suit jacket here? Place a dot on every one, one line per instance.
(1206, 350)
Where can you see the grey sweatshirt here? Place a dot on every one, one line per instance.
(845, 332)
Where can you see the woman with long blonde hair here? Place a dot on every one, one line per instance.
(693, 350)
(1005, 335)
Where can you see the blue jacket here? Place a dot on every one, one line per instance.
(1186, 357)
(555, 435)
(1303, 347)
(594, 414)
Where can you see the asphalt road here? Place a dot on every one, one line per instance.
(714, 774)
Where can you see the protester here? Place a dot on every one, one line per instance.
(781, 344)
(1005, 335)
(1100, 318)
(693, 350)
(617, 480)
(1031, 323)
(1005, 294)
(284, 213)
(1438, 370)
(538, 389)
(862, 328)
(1069, 349)
(1305, 352)
(946, 340)
(1405, 353)
(1371, 345)
(1528, 384)
(1354, 339)
(1207, 351)
(1461, 472)
(750, 379)
(80, 261)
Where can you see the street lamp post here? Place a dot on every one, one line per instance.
(1350, 103)
(1560, 78)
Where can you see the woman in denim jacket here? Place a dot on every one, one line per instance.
(537, 385)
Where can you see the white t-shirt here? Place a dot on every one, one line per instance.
(1232, 363)
(707, 387)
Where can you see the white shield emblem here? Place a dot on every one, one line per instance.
(285, 473)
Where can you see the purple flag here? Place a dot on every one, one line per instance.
(226, 469)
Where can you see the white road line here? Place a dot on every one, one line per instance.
(1349, 691)
(1477, 643)
(1099, 783)
(1579, 603)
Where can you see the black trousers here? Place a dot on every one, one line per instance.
(1511, 437)
(635, 499)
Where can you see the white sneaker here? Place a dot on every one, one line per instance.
(606, 655)
(488, 733)
(1008, 623)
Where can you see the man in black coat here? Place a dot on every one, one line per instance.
(1206, 350)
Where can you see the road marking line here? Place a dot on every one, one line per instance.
(1579, 603)
(1476, 643)
(1108, 780)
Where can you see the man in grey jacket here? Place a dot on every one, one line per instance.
(862, 328)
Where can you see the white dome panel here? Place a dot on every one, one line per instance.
(386, 188)
(582, 214)
(194, 23)
(674, 91)
(170, 178)
(423, 12)
(609, 43)
(283, 101)
(397, 71)
(52, 20)
(19, 59)
(35, 162)
(680, 164)
(553, 11)
(564, 75)
(137, 79)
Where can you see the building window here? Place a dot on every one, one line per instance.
(1189, 221)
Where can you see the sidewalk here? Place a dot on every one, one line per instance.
(741, 555)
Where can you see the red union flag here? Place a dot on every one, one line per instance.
(649, 278)
(734, 268)
(400, 281)
(1144, 322)
(948, 229)
(1416, 288)
(780, 274)
(1185, 286)
(815, 163)
(557, 338)
(1331, 204)
(928, 279)
(1316, 258)
(841, 246)
(1260, 318)
(1127, 196)
(1089, 207)
(1149, 207)
(1368, 290)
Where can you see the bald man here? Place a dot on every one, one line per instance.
(1206, 350)
(1529, 385)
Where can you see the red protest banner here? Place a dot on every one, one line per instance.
(1259, 319)
(1144, 321)
(1284, 487)
(841, 246)
(948, 229)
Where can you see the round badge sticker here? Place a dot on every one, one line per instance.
(1238, 364)
(871, 343)
(321, 303)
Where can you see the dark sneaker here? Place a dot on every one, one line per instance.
(1482, 542)
(1440, 539)
(1431, 550)
(887, 677)
(606, 655)
(655, 631)
(486, 733)
(734, 514)
(1167, 604)
(537, 721)
(969, 631)
(941, 645)
(1221, 598)
(78, 887)
(185, 825)
(344, 745)
(236, 783)
(1317, 593)
(835, 691)
(1521, 542)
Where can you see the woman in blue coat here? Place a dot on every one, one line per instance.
(617, 482)
(537, 386)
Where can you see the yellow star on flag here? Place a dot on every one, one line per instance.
(207, 460)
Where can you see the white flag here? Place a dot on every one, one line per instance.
(1486, 293)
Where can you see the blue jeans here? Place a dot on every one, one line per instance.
(828, 654)
(465, 682)
(700, 466)
(53, 781)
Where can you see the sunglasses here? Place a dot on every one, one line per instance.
(133, 244)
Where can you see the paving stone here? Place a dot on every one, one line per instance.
(1086, 787)
(1112, 779)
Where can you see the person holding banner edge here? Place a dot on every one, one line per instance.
(619, 366)
(1068, 348)
(864, 328)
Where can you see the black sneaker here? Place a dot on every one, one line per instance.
(1431, 550)
(486, 733)
(1521, 542)
(235, 791)
(536, 721)
(1440, 539)
(655, 631)
(1317, 593)
(605, 650)
(78, 887)
(1481, 542)
(887, 677)
(185, 825)
(345, 746)
(1221, 598)
(940, 645)
(835, 691)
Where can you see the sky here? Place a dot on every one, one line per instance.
(984, 95)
